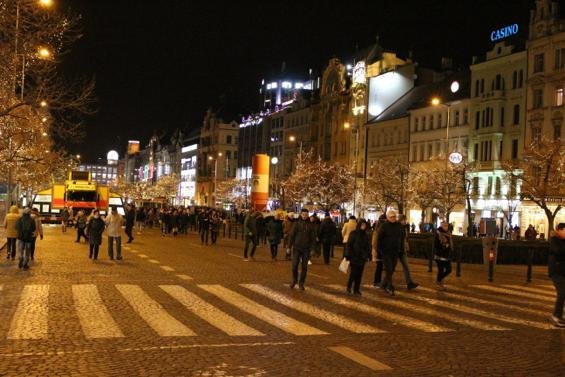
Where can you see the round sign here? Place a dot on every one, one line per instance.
(454, 87)
(113, 156)
(455, 158)
(274, 160)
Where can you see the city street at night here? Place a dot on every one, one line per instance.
(175, 307)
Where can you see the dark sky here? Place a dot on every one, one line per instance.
(159, 64)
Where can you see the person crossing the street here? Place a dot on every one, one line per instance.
(389, 242)
(25, 227)
(114, 223)
(38, 230)
(301, 240)
(94, 230)
(250, 230)
(11, 231)
(358, 252)
(443, 246)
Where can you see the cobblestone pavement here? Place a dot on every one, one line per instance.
(174, 307)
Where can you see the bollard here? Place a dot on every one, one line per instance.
(431, 257)
(530, 263)
(458, 266)
(224, 230)
(491, 264)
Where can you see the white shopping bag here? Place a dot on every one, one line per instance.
(344, 265)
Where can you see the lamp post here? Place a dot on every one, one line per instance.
(274, 162)
(358, 111)
(210, 158)
(436, 101)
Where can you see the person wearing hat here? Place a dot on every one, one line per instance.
(301, 240)
(327, 236)
(25, 227)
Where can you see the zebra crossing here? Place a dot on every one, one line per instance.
(258, 310)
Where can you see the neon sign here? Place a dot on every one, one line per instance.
(504, 32)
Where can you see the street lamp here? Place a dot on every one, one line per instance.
(274, 162)
(436, 101)
(358, 111)
(210, 158)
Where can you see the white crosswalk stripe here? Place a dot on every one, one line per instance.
(513, 292)
(401, 319)
(152, 312)
(270, 316)
(470, 299)
(495, 297)
(539, 291)
(94, 318)
(30, 321)
(427, 311)
(210, 313)
(327, 316)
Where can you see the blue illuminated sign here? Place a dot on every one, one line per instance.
(504, 32)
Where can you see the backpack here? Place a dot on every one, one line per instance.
(26, 228)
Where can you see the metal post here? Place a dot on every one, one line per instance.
(458, 266)
(530, 263)
(215, 180)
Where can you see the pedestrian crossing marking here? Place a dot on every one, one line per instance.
(142, 256)
(333, 318)
(30, 319)
(184, 277)
(167, 268)
(210, 313)
(270, 316)
(152, 312)
(360, 358)
(514, 292)
(496, 316)
(544, 292)
(94, 318)
(380, 313)
(508, 300)
(426, 311)
(153, 261)
(485, 302)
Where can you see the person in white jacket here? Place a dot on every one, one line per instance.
(114, 223)
(348, 227)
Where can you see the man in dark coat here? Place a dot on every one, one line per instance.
(358, 252)
(389, 242)
(327, 236)
(130, 221)
(250, 230)
(301, 240)
(25, 226)
(94, 229)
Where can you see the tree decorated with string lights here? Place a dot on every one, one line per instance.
(39, 109)
(541, 175)
(233, 191)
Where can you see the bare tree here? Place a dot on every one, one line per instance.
(447, 185)
(541, 175)
(421, 192)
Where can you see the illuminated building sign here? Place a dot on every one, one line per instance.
(504, 32)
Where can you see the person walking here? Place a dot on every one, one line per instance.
(130, 221)
(250, 230)
(327, 235)
(556, 269)
(38, 230)
(25, 227)
(287, 227)
(389, 242)
(94, 230)
(214, 227)
(204, 223)
(403, 257)
(11, 232)
(65, 219)
(81, 226)
(358, 252)
(443, 246)
(376, 253)
(348, 227)
(114, 223)
(275, 229)
(301, 240)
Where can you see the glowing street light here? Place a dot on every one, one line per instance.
(43, 103)
(44, 53)
(46, 3)
(346, 125)
(292, 138)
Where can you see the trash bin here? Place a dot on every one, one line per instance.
(490, 254)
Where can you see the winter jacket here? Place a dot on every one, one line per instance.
(10, 222)
(130, 217)
(389, 239)
(275, 228)
(348, 227)
(302, 235)
(358, 247)
(327, 230)
(94, 230)
(114, 223)
(556, 260)
(38, 225)
(443, 244)
(287, 225)
(25, 227)
(250, 225)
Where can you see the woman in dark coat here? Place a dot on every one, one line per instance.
(556, 267)
(275, 229)
(443, 247)
(94, 229)
(358, 252)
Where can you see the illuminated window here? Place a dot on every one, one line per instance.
(559, 97)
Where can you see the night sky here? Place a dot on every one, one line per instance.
(160, 64)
